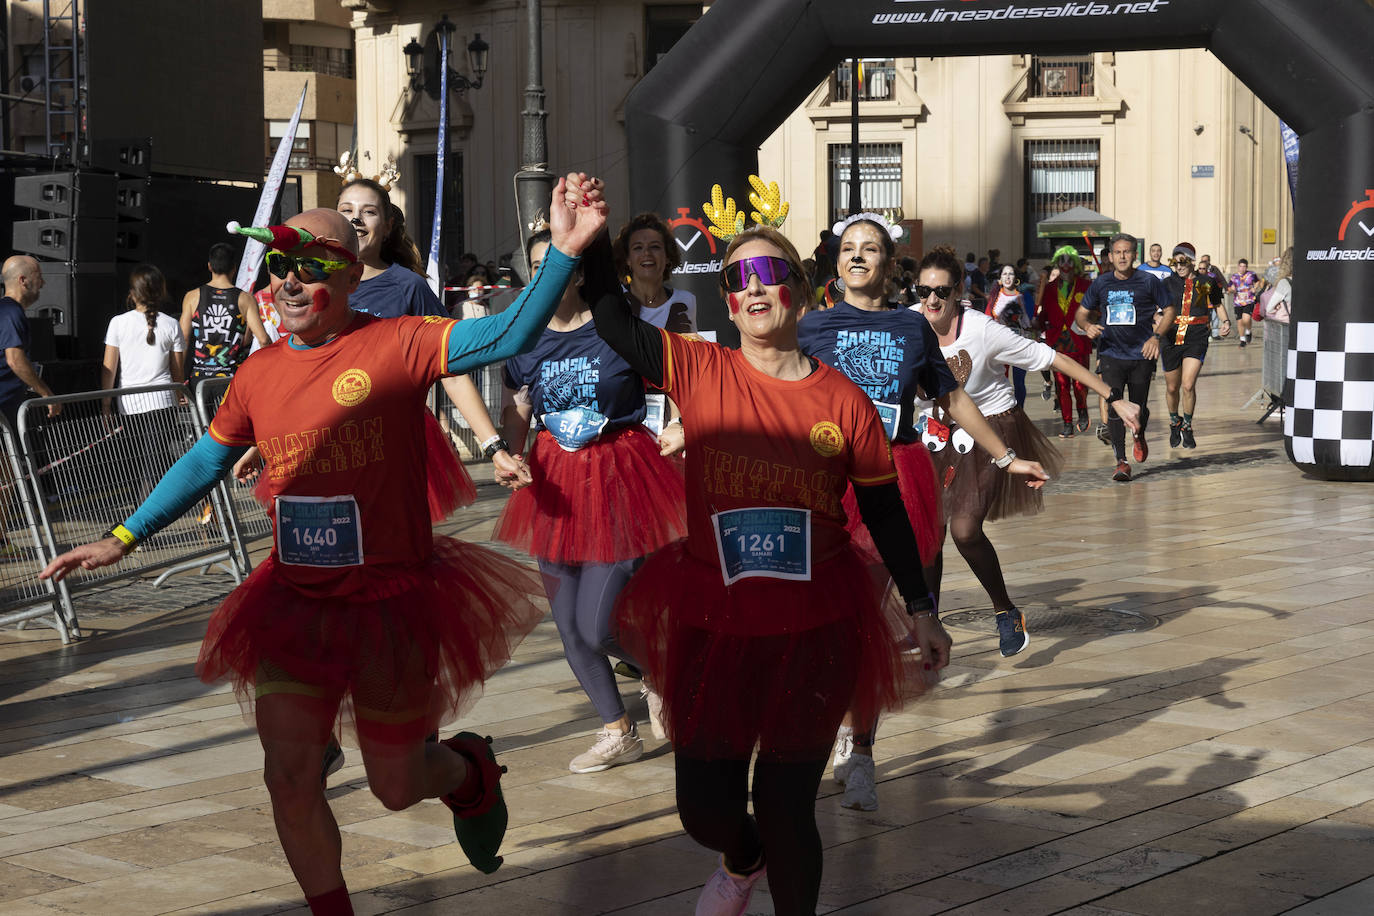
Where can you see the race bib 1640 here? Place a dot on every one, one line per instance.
(324, 531)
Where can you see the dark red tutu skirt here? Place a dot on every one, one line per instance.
(616, 499)
(920, 493)
(449, 485)
(770, 662)
(403, 660)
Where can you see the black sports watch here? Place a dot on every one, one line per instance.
(490, 450)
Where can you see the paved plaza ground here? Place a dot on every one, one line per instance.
(1191, 730)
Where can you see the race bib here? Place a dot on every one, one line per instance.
(575, 428)
(323, 531)
(772, 542)
(890, 414)
(655, 407)
(1120, 313)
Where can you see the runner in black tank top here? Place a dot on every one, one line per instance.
(219, 334)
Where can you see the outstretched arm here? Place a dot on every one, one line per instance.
(186, 484)
(966, 413)
(577, 212)
(636, 341)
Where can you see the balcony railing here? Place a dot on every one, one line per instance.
(300, 162)
(879, 82)
(1062, 77)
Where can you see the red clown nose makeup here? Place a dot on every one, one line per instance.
(322, 300)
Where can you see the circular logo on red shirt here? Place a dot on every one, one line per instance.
(352, 387)
(827, 439)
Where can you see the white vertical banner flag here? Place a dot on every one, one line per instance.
(254, 250)
(440, 155)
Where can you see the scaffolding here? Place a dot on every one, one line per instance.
(64, 88)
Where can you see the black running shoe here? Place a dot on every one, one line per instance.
(1047, 392)
(1104, 434)
(1242, 343)
(1083, 421)
(1187, 435)
(1175, 434)
(1011, 632)
(333, 760)
(1067, 431)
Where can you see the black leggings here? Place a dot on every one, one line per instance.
(712, 801)
(1130, 377)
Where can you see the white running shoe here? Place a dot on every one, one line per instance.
(727, 894)
(844, 753)
(655, 704)
(611, 749)
(860, 789)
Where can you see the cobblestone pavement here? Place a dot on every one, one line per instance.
(1191, 730)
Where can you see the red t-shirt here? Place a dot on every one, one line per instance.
(759, 441)
(346, 419)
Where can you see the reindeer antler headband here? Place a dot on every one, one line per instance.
(727, 221)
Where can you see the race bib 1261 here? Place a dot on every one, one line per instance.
(769, 541)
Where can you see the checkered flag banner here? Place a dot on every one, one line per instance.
(1330, 381)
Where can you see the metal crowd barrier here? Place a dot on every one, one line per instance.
(95, 463)
(248, 521)
(1274, 369)
(23, 552)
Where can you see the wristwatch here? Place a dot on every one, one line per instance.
(1003, 462)
(122, 534)
(922, 607)
(1113, 398)
(491, 447)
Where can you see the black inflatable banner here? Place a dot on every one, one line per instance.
(699, 116)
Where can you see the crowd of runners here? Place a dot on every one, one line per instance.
(755, 534)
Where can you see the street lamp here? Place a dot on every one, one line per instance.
(422, 62)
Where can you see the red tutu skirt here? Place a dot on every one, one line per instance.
(920, 493)
(398, 662)
(616, 499)
(767, 662)
(449, 486)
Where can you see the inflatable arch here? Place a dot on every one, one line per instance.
(700, 115)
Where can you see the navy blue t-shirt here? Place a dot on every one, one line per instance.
(887, 354)
(1127, 311)
(394, 292)
(569, 369)
(14, 332)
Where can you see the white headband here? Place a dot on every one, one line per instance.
(892, 229)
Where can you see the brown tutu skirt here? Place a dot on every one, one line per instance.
(770, 663)
(974, 486)
(396, 664)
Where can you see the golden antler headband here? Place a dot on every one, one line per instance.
(727, 221)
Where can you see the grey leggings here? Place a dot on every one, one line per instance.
(583, 600)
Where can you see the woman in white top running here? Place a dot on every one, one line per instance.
(145, 346)
(979, 350)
